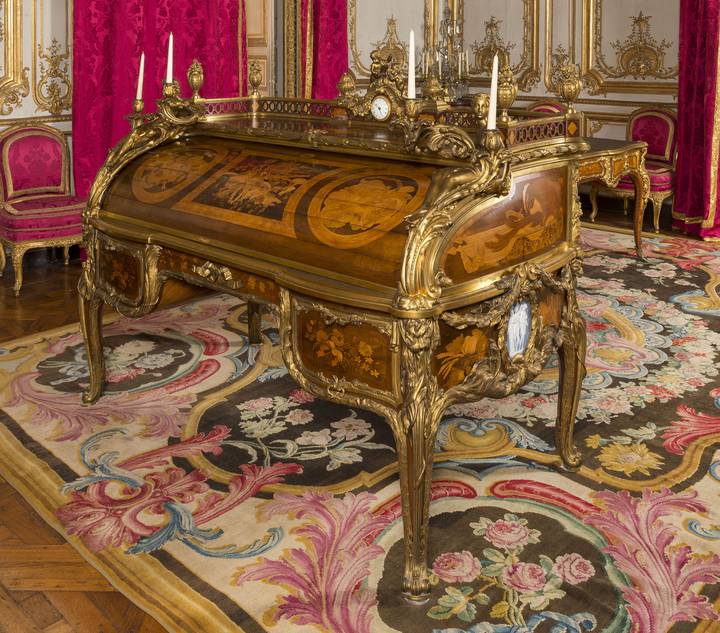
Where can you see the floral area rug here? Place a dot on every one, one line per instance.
(221, 498)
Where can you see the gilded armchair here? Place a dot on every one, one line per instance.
(37, 208)
(657, 127)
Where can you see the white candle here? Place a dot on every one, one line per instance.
(440, 66)
(169, 73)
(141, 74)
(467, 63)
(492, 112)
(411, 66)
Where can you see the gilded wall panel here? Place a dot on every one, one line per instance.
(260, 15)
(510, 28)
(52, 63)
(368, 24)
(14, 81)
(630, 46)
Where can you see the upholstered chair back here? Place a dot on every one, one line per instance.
(657, 127)
(34, 162)
(548, 107)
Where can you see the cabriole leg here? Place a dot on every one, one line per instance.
(254, 317)
(91, 326)
(415, 439)
(17, 261)
(66, 255)
(593, 202)
(572, 373)
(2, 259)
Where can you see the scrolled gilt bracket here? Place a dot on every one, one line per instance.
(173, 116)
(218, 275)
(487, 172)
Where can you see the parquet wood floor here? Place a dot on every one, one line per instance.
(45, 586)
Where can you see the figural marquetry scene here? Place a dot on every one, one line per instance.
(329, 316)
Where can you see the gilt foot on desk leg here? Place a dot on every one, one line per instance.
(91, 326)
(572, 373)
(415, 435)
(254, 317)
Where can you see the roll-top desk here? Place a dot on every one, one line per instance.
(411, 264)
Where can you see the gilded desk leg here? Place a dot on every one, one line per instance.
(2, 259)
(254, 317)
(572, 373)
(593, 201)
(91, 326)
(415, 439)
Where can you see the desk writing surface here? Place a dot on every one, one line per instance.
(319, 210)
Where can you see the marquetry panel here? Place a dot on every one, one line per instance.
(335, 344)
(527, 223)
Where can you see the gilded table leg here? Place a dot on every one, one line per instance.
(572, 373)
(415, 439)
(91, 326)
(254, 317)
(66, 255)
(593, 201)
(642, 187)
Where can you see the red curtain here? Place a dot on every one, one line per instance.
(697, 191)
(108, 37)
(329, 47)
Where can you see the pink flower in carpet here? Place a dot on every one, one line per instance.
(573, 568)
(594, 326)
(524, 577)
(532, 402)
(301, 396)
(299, 416)
(315, 438)
(661, 392)
(683, 340)
(695, 382)
(108, 514)
(258, 405)
(126, 373)
(508, 534)
(456, 567)
(349, 428)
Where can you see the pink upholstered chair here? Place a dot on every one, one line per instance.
(548, 107)
(36, 206)
(655, 126)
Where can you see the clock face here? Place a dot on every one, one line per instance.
(380, 108)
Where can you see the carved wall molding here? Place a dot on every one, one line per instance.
(639, 56)
(527, 69)
(53, 88)
(390, 44)
(14, 82)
